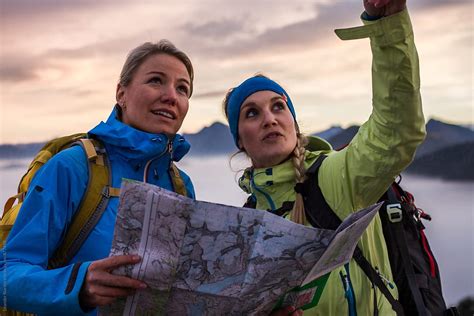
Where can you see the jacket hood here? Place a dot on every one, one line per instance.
(134, 144)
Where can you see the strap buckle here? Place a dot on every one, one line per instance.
(394, 212)
(109, 192)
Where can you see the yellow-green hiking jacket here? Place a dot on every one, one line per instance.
(358, 175)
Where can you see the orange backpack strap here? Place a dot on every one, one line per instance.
(93, 204)
(177, 180)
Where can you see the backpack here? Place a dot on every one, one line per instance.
(413, 264)
(94, 201)
(93, 204)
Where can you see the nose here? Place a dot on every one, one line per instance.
(269, 119)
(169, 95)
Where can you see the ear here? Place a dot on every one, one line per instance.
(120, 94)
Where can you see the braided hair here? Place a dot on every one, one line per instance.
(298, 159)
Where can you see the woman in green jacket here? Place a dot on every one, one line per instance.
(262, 120)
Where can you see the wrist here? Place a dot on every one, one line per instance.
(367, 17)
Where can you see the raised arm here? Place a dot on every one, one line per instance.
(358, 175)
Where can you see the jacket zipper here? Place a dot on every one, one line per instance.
(168, 149)
(266, 195)
(349, 291)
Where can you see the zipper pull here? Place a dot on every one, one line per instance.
(345, 281)
(384, 279)
(170, 148)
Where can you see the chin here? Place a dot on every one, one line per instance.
(168, 131)
(270, 161)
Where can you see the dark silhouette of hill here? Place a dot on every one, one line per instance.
(328, 133)
(212, 140)
(343, 138)
(10, 151)
(447, 151)
(440, 135)
(455, 162)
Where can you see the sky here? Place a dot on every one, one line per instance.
(60, 60)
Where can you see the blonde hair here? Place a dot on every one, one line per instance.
(298, 214)
(139, 54)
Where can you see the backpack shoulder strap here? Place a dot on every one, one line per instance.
(251, 202)
(96, 197)
(318, 211)
(177, 181)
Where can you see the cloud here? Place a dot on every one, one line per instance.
(16, 73)
(16, 8)
(292, 36)
(421, 4)
(210, 94)
(215, 29)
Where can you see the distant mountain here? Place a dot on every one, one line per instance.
(447, 151)
(440, 135)
(455, 162)
(20, 150)
(215, 139)
(343, 138)
(328, 133)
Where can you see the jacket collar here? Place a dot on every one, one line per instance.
(275, 184)
(133, 144)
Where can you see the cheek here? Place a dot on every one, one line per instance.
(185, 107)
(248, 138)
(244, 132)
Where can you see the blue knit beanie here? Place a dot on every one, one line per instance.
(242, 92)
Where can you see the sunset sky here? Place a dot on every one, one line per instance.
(60, 60)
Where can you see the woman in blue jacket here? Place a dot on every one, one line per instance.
(140, 139)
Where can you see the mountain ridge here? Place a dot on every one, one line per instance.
(446, 149)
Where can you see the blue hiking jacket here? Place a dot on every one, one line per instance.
(53, 197)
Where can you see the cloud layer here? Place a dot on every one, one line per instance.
(61, 59)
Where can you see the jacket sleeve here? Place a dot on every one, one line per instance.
(358, 175)
(54, 195)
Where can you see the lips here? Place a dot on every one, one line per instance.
(272, 135)
(164, 113)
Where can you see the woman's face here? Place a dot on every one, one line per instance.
(157, 98)
(267, 129)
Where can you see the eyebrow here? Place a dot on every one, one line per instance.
(251, 103)
(164, 74)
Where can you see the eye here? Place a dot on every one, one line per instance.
(183, 89)
(250, 112)
(278, 106)
(155, 80)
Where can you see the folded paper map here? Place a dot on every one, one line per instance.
(201, 258)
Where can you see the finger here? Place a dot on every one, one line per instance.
(96, 301)
(108, 291)
(107, 279)
(298, 312)
(114, 262)
(284, 311)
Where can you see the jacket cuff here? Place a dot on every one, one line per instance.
(74, 286)
(383, 32)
